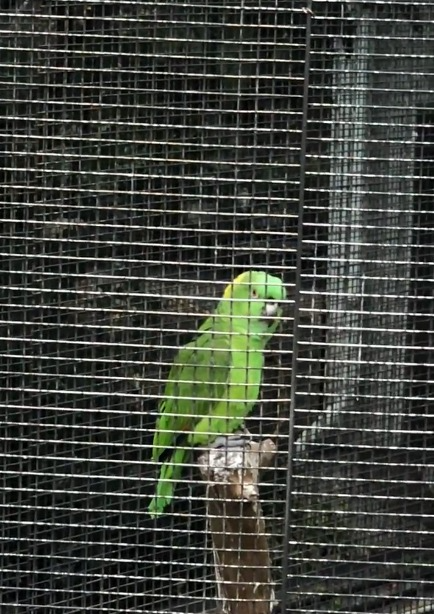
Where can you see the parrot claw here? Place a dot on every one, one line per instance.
(239, 440)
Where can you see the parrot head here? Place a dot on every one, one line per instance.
(255, 297)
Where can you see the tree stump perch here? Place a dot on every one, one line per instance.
(240, 546)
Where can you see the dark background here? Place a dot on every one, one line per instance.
(149, 153)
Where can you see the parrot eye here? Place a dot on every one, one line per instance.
(254, 293)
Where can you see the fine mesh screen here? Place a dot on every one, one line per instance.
(151, 152)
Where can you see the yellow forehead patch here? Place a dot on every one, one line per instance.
(243, 278)
(228, 291)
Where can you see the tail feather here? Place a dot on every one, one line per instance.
(170, 473)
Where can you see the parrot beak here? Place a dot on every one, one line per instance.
(271, 309)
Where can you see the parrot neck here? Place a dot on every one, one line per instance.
(251, 334)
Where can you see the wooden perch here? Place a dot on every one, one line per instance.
(241, 555)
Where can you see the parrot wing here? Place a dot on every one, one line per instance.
(197, 381)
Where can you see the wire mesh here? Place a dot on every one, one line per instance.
(151, 152)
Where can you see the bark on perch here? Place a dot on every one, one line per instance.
(241, 554)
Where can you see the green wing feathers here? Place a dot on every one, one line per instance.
(196, 382)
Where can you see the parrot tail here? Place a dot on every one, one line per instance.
(169, 475)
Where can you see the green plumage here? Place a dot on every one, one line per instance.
(215, 380)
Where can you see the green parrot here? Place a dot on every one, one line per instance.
(215, 380)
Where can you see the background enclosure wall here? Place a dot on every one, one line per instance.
(151, 151)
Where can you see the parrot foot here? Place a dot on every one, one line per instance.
(238, 440)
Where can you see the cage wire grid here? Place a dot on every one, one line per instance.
(151, 152)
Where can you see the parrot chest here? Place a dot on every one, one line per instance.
(246, 376)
